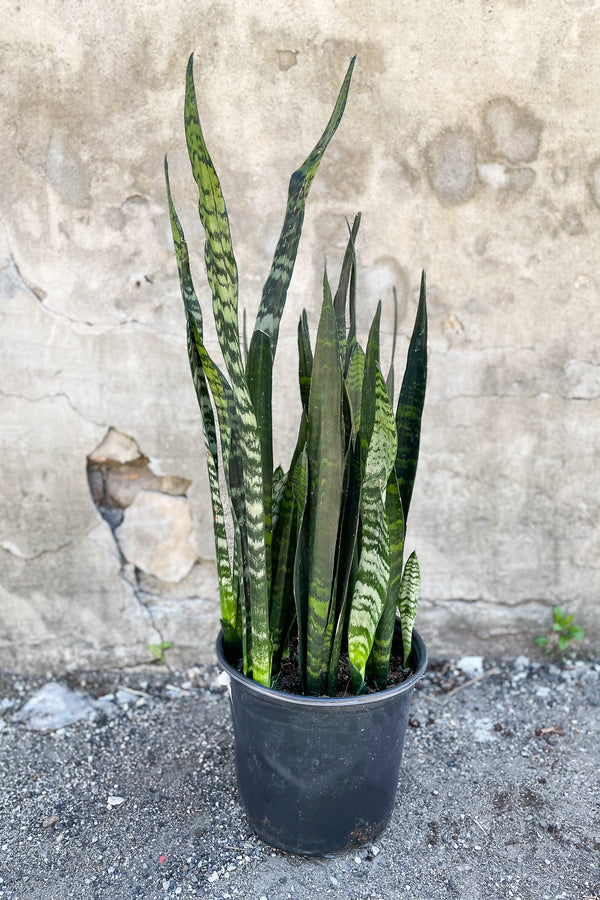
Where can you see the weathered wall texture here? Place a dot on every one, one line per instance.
(471, 144)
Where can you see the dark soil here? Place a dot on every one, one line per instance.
(289, 678)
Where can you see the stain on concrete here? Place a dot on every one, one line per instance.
(571, 222)
(594, 181)
(560, 175)
(451, 165)
(513, 132)
(66, 173)
(287, 59)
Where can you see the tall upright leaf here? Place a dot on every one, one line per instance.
(341, 295)
(275, 290)
(231, 626)
(370, 591)
(325, 466)
(222, 276)
(410, 404)
(379, 661)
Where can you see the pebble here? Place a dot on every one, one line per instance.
(472, 666)
(115, 801)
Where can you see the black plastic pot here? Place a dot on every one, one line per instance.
(317, 774)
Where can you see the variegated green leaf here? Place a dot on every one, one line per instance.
(301, 573)
(305, 360)
(222, 276)
(339, 302)
(410, 404)
(379, 661)
(285, 539)
(353, 386)
(325, 466)
(407, 601)
(346, 565)
(231, 625)
(275, 290)
(370, 591)
(259, 374)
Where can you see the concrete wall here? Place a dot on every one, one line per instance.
(471, 144)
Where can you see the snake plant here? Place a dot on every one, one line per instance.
(316, 552)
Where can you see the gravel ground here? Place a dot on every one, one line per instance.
(499, 794)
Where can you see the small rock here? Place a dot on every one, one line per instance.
(522, 662)
(214, 876)
(54, 706)
(51, 820)
(471, 665)
(375, 850)
(115, 801)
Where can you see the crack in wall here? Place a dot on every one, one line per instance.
(10, 547)
(118, 472)
(59, 394)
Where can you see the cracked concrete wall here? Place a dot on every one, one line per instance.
(471, 144)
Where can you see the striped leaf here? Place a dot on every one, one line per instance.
(379, 661)
(231, 625)
(221, 270)
(325, 466)
(346, 567)
(370, 591)
(275, 290)
(407, 601)
(285, 539)
(341, 295)
(259, 374)
(410, 404)
(305, 360)
(301, 573)
(353, 386)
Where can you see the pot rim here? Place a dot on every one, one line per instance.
(286, 699)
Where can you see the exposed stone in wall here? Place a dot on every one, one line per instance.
(157, 535)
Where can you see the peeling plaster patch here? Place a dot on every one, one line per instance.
(453, 324)
(595, 181)
(501, 177)
(493, 174)
(287, 59)
(117, 472)
(583, 380)
(451, 166)
(513, 132)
